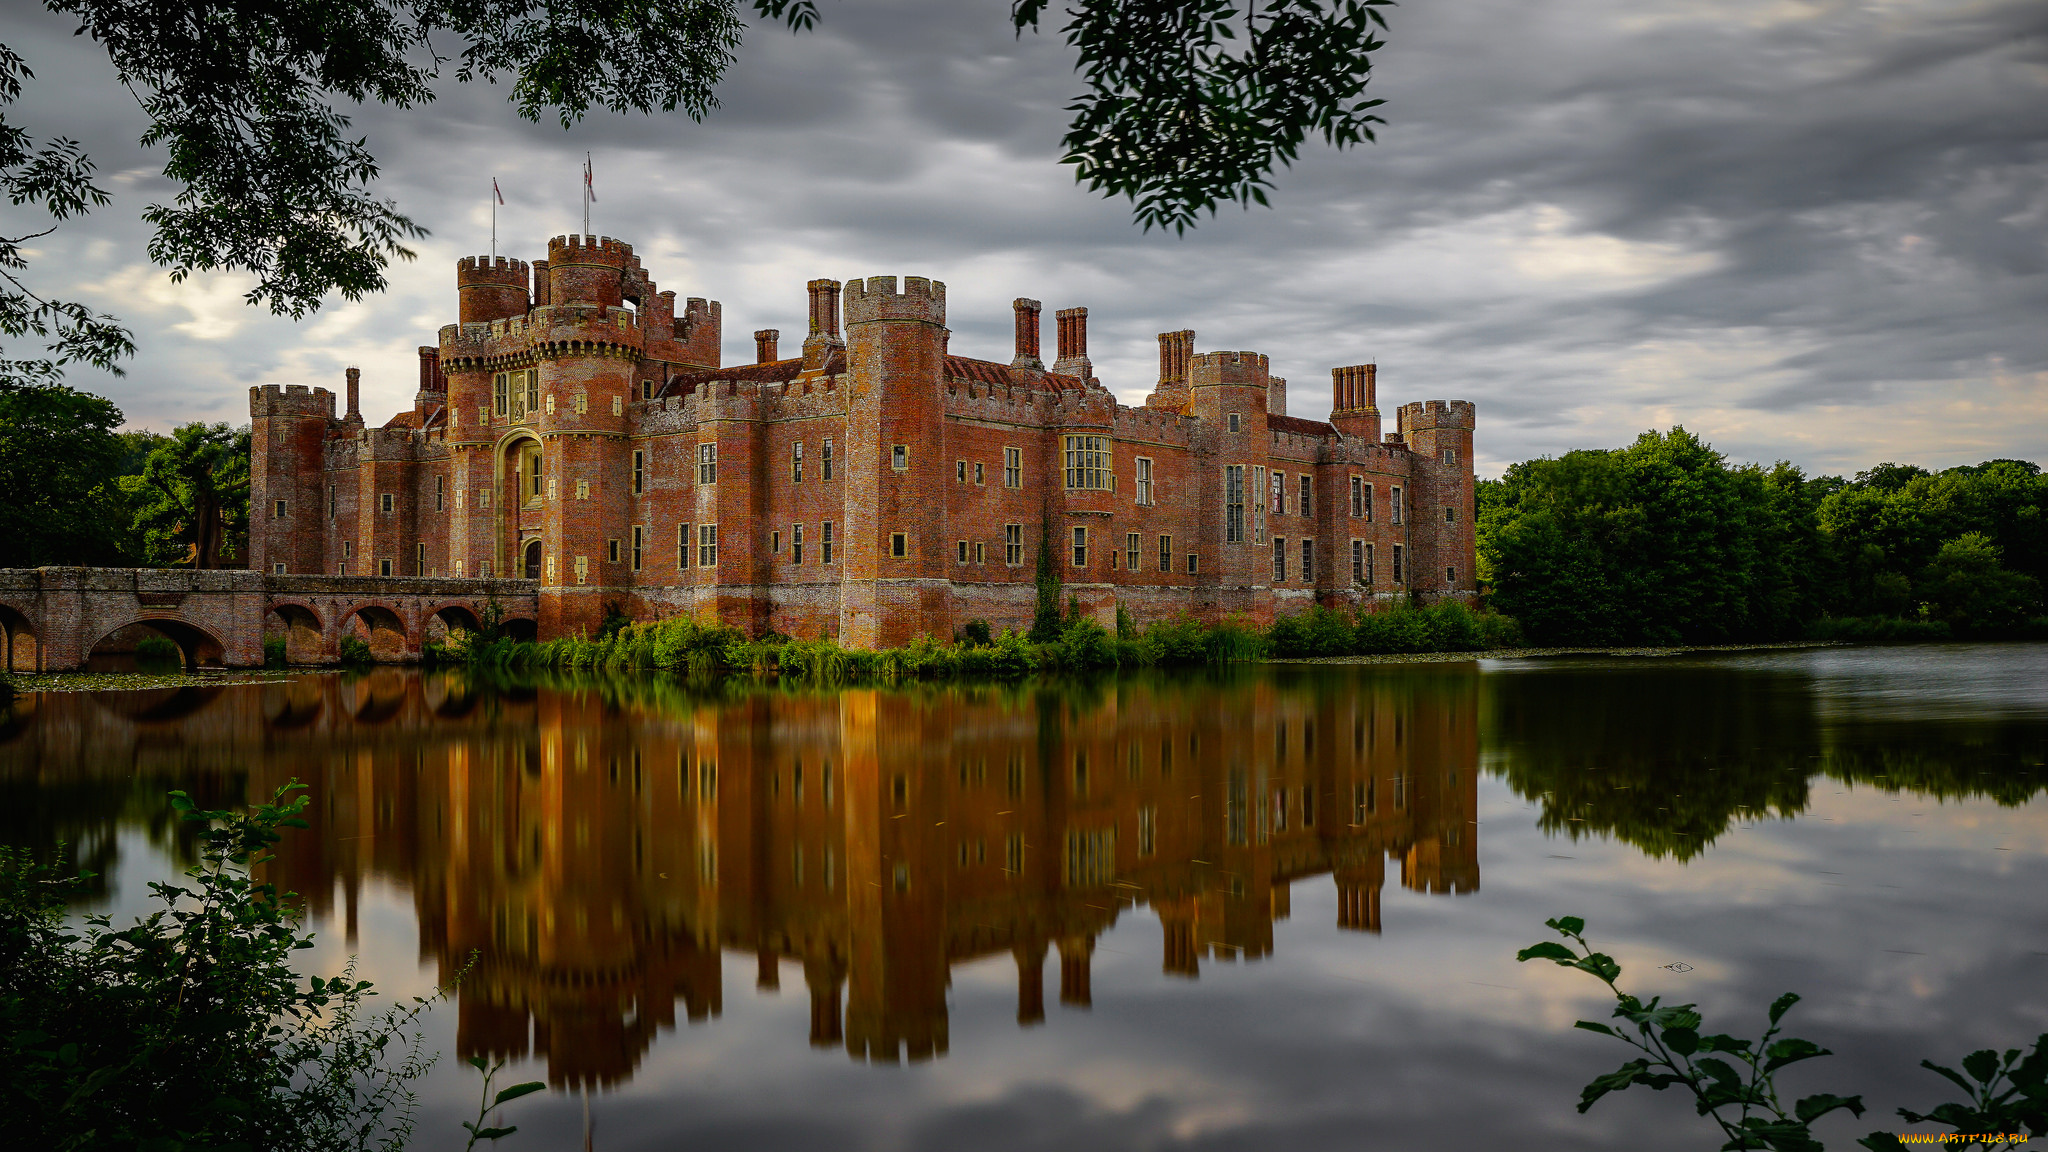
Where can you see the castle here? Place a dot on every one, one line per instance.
(576, 429)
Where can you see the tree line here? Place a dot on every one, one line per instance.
(1666, 542)
(80, 491)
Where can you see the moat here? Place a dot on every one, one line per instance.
(1269, 907)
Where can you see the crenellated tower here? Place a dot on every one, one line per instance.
(895, 461)
(287, 522)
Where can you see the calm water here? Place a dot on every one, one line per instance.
(1275, 909)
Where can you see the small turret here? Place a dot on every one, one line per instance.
(588, 270)
(491, 289)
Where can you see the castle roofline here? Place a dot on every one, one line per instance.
(1300, 426)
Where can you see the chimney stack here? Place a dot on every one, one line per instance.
(1072, 335)
(764, 345)
(1176, 350)
(1352, 401)
(355, 396)
(1027, 334)
(824, 331)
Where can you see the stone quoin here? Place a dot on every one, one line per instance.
(576, 427)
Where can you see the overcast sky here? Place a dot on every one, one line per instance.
(1814, 231)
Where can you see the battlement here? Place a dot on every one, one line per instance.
(1422, 415)
(491, 289)
(1212, 369)
(591, 250)
(291, 400)
(877, 299)
(501, 270)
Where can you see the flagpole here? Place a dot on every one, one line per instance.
(494, 219)
(586, 193)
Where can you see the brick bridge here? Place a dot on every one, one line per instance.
(67, 619)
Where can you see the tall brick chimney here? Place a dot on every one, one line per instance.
(824, 331)
(355, 397)
(1072, 336)
(1027, 334)
(1176, 349)
(1352, 408)
(764, 345)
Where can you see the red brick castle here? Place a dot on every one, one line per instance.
(577, 429)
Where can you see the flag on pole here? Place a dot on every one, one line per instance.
(495, 192)
(589, 189)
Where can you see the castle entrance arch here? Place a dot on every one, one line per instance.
(521, 483)
(532, 560)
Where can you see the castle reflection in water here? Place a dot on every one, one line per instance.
(597, 854)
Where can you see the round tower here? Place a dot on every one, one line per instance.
(491, 289)
(588, 270)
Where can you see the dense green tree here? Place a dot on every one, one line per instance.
(59, 459)
(1967, 587)
(1665, 541)
(1661, 542)
(195, 498)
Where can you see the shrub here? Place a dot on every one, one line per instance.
(1327, 631)
(1011, 656)
(273, 652)
(1287, 638)
(1177, 641)
(1876, 629)
(1451, 627)
(189, 1029)
(1498, 631)
(356, 650)
(1084, 646)
(1396, 630)
(975, 634)
(1235, 640)
(158, 650)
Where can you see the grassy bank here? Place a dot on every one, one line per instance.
(1077, 644)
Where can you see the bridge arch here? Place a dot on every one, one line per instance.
(443, 620)
(384, 630)
(305, 640)
(20, 649)
(115, 651)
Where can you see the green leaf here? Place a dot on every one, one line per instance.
(518, 1090)
(1950, 1073)
(476, 1062)
(1982, 1065)
(1603, 1029)
(1719, 1070)
(1683, 1041)
(1614, 1081)
(494, 1133)
(1548, 950)
(1882, 1142)
(1782, 1004)
(1816, 1106)
(1791, 1051)
(1602, 965)
(1568, 924)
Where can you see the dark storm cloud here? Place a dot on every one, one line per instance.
(1812, 230)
